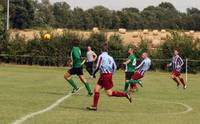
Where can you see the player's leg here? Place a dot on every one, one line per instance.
(182, 81)
(88, 68)
(91, 68)
(135, 79)
(127, 78)
(118, 94)
(108, 85)
(87, 86)
(67, 77)
(173, 76)
(95, 97)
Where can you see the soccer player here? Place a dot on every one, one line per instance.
(107, 67)
(141, 69)
(176, 64)
(91, 58)
(76, 69)
(130, 69)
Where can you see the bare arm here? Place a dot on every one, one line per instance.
(126, 62)
(141, 64)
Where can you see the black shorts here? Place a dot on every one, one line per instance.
(76, 71)
(128, 75)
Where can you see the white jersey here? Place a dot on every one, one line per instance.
(90, 56)
(144, 66)
(106, 64)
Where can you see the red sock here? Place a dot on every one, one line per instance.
(176, 80)
(96, 99)
(133, 86)
(182, 81)
(118, 94)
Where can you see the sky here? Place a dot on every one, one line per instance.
(181, 5)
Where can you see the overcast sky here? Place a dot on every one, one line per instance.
(181, 5)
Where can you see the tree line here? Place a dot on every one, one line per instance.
(33, 14)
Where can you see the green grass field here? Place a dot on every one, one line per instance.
(27, 89)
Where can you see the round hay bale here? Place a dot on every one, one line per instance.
(122, 30)
(163, 36)
(95, 30)
(155, 32)
(187, 33)
(135, 34)
(155, 42)
(191, 32)
(163, 31)
(145, 31)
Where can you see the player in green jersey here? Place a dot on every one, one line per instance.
(76, 69)
(130, 69)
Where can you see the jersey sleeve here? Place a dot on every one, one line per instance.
(99, 62)
(114, 66)
(141, 64)
(181, 61)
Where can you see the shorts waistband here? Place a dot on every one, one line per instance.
(106, 74)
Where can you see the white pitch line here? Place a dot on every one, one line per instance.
(24, 118)
(188, 108)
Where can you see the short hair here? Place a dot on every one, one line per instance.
(105, 47)
(75, 42)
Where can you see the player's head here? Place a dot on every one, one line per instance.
(76, 42)
(175, 52)
(89, 48)
(130, 50)
(144, 55)
(105, 47)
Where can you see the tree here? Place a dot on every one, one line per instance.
(167, 5)
(3, 42)
(44, 14)
(100, 16)
(22, 13)
(63, 15)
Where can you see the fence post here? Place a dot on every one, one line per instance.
(186, 70)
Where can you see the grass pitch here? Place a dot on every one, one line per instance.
(27, 89)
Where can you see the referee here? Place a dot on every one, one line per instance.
(91, 58)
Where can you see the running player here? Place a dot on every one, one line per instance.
(107, 67)
(130, 69)
(76, 69)
(177, 64)
(141, 69)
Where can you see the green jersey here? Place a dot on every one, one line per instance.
(76, 57)
(130, 67)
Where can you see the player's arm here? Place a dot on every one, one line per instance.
(170, 64)
(181, 62)
(114, 66)
(126, 62)
(95, 56)
(98, 65)
(141, 65)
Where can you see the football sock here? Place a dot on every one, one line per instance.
(135, 82)
(182, 81)
(119, 94)
(133, 86)
(72, 83)
(176, 80)
(126, 87)
(87, 86)
(96, 99)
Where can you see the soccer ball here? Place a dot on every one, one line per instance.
(47, 37)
